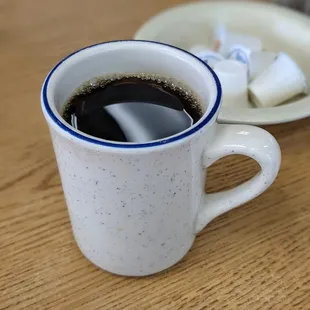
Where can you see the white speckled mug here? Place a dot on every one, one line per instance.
(135, 208)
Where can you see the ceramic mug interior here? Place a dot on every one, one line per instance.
(131, 56)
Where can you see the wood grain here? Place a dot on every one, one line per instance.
(255, 257)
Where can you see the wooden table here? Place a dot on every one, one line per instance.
(255, 257)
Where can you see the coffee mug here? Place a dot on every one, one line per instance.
(135, 209)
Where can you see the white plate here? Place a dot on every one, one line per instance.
(280, 29)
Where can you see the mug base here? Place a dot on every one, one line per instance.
(129, 272)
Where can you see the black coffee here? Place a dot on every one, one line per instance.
(132, 108)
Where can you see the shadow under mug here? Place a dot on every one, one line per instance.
(135, 208)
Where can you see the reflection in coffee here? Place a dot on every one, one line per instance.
(132, 108)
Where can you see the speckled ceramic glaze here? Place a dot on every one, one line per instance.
(135, 208)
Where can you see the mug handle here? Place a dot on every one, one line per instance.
(246, 140)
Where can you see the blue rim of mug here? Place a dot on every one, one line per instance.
(131, 145)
